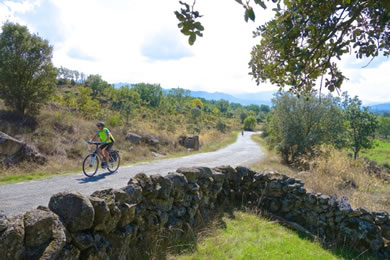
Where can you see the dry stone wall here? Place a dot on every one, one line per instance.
(115, 223)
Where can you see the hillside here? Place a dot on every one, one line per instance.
(380, 108)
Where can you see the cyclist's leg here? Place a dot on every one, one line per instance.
(107, 152)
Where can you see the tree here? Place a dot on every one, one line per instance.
(222, 105)
(250, 123)
(150, 94)
(216, 111)
(300, 44)
(126, 99)
(97, 84)
(27, 75)
(88, 107)
(298, 125)
(180, 95)
(361, 125)
(243, 116)
(384, 127)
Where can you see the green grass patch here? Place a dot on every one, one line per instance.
(379, 153)
(248, 236)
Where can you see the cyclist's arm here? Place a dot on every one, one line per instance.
(108, 135)
(94, 137)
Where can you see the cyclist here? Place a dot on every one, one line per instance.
(107, 142)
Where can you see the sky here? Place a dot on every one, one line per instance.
(138, 41)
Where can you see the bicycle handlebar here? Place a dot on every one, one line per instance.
(96, 143)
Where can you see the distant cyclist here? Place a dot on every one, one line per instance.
(107, 142)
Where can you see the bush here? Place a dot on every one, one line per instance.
(115, 121)
(195, 112)
(221, 126)
(250, 123)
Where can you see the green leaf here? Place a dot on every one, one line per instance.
(192, 39)
(250, 13)
(199, 26)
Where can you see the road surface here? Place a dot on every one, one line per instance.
(21, 197)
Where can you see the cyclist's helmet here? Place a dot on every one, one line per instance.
(100, 124)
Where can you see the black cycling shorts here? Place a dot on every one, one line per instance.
(106, 146)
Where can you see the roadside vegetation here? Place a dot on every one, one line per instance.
(247, 235)
(334, 145)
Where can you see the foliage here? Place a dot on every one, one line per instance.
(243, 116)
(300, 44)
(221, 126)
(222, 105)
(250, 123)
(150, 94)
(97, 84)
(88, 107)
(27, 75)
(197, 103)
(215, 111)
(384, 127)
(187, 22)
(195, 112)
(361, 125)
(180, 95)
(298, 125)
(115, 121)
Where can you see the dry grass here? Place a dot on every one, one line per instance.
(61, 135)
(333, 172)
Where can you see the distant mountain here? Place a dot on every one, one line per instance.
(244, 99)
(258, 98)
(385, 107)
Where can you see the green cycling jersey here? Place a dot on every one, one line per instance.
(103, 136)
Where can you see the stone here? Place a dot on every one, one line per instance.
(151, 140)
(120, 196)
(192, 174)
(385, 231)
(191, 142)
(82, 240)
(134, 138)
(70, 252)
(102, 212)
(179, 185)
(12, 239)
(38, 225)
(380, 217)
(134, 192)
(360, 234)
(3, 222)
(163, 186)
(127, 214)
(13, 151)
(275, 189)
(74, 210)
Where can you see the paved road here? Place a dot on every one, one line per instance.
(20, 197)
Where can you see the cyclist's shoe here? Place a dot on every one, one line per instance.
(104, 166)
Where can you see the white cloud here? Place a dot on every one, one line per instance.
(110, 38)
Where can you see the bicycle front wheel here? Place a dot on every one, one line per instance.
(91, 165)
(115, 161)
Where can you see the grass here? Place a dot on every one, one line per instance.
(247, 236)
(379, 153)
(333, 172)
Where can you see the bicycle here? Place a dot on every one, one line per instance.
(91, 162)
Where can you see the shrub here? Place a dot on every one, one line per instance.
(115, 121)
(221, 126)
(250, 123)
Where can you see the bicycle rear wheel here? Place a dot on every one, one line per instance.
(115, 161)
(91, 165)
